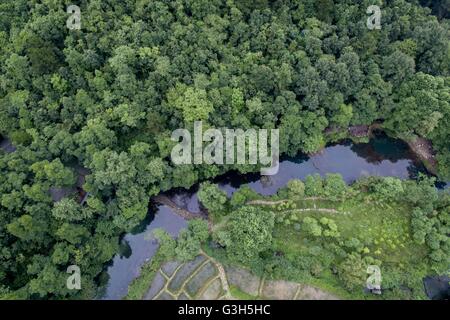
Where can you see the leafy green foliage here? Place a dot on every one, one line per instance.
(296, 189)
(311, 227)
(352, 272)
(212, 197)
(249, 232)
(189, 240)
(106, 98)
(329, 240)
(334, 187)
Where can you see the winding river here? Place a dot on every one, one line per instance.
(382, 156)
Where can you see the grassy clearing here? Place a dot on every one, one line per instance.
(383, 230)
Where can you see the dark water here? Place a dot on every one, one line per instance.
(382, 156)
(437, 288)
(6, 145)
(376, 158)
(136, 248)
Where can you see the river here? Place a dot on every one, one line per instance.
(382, 156)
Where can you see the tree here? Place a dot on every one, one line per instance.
(296, 189)
(352, 272)
(398, 67)
(250, 233)
(199, 229)
(311, 227)
(330, 228)
(241, 196)
(325, 10)
(389, 188)
(26, 228)
(335, 187)
(72, 233)
(67, 209)
(111, 170)
(342, 116)
(167, 244)
(189, 240)
(194, 103)
(314, 185)
(212, 197)
(54, 172)
(440, 7)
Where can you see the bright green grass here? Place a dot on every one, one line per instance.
(383, 228)
(241, 295)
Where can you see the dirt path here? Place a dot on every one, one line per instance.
(222, 275)
(271, 202)
(314, 209)
(266, 202)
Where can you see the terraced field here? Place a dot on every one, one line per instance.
(205, 279)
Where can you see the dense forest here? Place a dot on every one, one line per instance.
(91, 111)
(441, 8)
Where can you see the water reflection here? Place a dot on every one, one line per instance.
(347, 159)
(136, 249)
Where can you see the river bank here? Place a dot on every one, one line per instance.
(380, 156)
(422, 148)
(356, 219)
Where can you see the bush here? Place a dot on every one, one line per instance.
(189, 240)
(335, 187)
(212, 197)
(296, 189)
(314, 185)
(311, 227)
